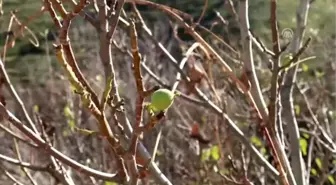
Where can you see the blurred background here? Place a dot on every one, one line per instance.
(184, 159)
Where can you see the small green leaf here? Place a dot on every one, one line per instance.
(304, 67)
(286, 59)
(65, 133)
(263, 151)
(331, 179)
(313, 171)
(242, 124)
(205, 155)
(304, 146)
(215, 152)
(305, 135)
(110, 183)
(297, 109)
(318, 162)
(319, 74)
(67, 112)
(256, 141)
(72, 124)
(159, 153)
(70, 117)
(224, 172)
(36, 108)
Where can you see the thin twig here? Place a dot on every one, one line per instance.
(21, 163)
(3, 54)
(209, 104)
(52, 151)
(10, 176)
(309, 158)
(260, 107)
(115, 19)
(286, 91)
(16, 97)
(13, 134)
(294, 61)
(24, 169)
(202, 14)
(316, 122)
(281, 161)
(140, 97)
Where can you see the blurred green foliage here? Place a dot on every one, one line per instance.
(321, 24)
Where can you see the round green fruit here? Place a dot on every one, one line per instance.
(162, 99)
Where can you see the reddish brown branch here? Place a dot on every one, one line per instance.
(139, 100)
(66, 57)
(53, 14)
(60, 8)
(139, 85)
(65, 42)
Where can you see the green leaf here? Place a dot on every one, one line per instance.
(65, 133)
(70, 117)
(318, 162)
(36, 108)
(68, 113)
(331, 179)
(215, 152)
(110, 183)
(319, 74)
(304, 146)
(305, 135)
(297, 109)
(304, 67)
(263, 150)
(313, 171)
(205, 155)
(159, 153)
(286, 59)
(256, 141)
(72, 124)
(224, 171)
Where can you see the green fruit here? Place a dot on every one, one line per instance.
(162, 99)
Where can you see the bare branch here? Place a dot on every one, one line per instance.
(22, 164)
(209, 104)
(13, 134)
(287, 111)
(16, 97)
(52, 151)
